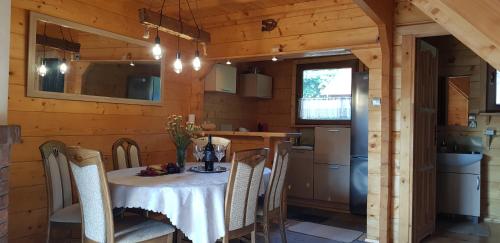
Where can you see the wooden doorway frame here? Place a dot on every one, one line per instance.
(409, 38)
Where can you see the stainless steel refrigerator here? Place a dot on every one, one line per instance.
(359, 144)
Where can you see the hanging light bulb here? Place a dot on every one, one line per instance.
(63, 67)
(157, 51)
(132, 64)
(145, 35)
(178, 63)
(42, 70)
(274, 59)
(197, 61)
(228, 62)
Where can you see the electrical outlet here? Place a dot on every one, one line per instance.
(489, 132)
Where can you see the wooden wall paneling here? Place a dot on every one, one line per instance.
(99, 124)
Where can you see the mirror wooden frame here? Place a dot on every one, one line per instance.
(32, 90)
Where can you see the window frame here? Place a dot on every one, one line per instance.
(491, 86)
(300, 68)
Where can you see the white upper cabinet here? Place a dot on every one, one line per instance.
(222, 78)
(256, 85)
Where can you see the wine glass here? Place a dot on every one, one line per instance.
(198, 152)
(220, 151)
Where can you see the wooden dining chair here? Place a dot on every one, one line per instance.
(61, 208)
(202, 141)
(98, 224)
(242, 193)
(126, 154)
(273, 207)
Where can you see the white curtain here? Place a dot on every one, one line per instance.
(327, 108)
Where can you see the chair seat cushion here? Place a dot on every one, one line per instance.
(70, 214)
(137, 229)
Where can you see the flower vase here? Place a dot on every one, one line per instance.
(181, 157)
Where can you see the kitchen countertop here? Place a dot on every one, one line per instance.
(254, 134)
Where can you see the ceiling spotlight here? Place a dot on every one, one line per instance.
(63, 67)
(274, 59)
(228, 62)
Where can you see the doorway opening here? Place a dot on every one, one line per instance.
(326, 100)
(450, 181)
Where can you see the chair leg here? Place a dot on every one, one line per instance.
(253, 236)
(48, 232)
(265, 227)
(282, 226)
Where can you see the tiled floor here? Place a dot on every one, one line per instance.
(443, 235)
(341, 220)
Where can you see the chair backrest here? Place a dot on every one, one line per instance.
(277, 180)
(242, 190)
(202, 141)
(57, 175)
(92, 186)
(126, 154)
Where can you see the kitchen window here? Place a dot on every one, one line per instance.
(493, 90)
(324, 92)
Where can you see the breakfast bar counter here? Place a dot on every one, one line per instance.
(251, 140)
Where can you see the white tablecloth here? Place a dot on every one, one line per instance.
(194, 202)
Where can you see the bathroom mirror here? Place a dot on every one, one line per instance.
(71, 61)
(458, 93)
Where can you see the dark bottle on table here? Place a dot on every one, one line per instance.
(209, 155)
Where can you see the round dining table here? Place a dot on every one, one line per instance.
(194, 202)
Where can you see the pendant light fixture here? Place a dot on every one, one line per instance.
(42, 69)
(178, 62)
(157, 50)
(63, 67)
(196, 59)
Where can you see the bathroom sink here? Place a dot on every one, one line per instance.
(458, 159)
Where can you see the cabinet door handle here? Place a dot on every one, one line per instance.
(333, 130)
(335, 167)
(226, 90)
(477, 181)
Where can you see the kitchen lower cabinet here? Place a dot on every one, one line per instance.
(332, 145)
(331, 183)
(300, 174)
(459, 194)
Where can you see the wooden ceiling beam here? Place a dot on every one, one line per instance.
(382, 13)
(474, 23)
(58, 43)
(172, 26)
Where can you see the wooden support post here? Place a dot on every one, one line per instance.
(172, 26)
(382, 13)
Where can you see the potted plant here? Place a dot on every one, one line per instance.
(181, 134)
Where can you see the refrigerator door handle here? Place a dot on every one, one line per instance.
(333, 130)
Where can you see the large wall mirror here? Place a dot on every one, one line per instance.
(76, 62)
